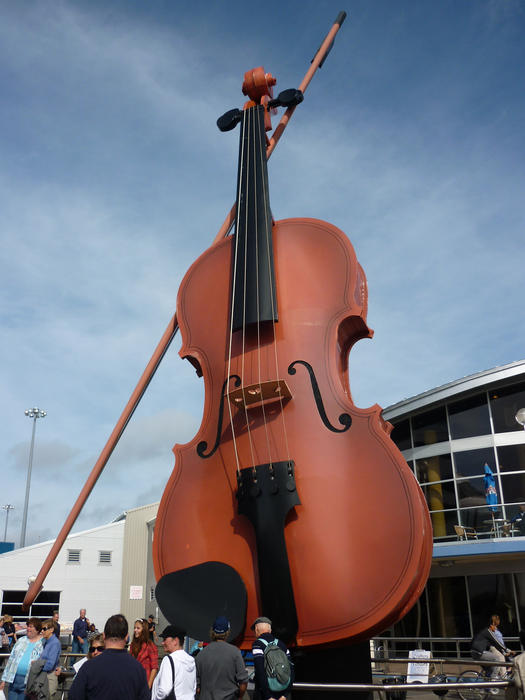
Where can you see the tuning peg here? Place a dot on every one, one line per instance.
(229, 120)
(287, 98)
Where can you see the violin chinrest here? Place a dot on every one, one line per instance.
(193, 597)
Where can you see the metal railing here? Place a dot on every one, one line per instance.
(442, 646)
(383, 688)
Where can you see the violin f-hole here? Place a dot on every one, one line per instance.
(345, 418)
(203, 445)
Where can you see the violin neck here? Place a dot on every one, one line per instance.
(253, 283)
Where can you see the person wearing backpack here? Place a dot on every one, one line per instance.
(272, 663)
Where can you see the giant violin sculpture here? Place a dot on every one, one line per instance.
(290, 501)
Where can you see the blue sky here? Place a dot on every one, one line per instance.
(114, 178)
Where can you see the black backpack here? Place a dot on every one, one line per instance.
(277, 666)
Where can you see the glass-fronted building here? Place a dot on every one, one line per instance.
(448, 435)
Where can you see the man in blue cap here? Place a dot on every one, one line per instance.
(221, 673)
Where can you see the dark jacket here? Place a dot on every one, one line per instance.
(114, 675)
(37, 687)
(483, 641)
(261, 682)
(80, 628)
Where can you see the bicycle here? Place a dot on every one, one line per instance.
(473, 676)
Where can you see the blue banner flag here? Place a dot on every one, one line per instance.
(490, 489)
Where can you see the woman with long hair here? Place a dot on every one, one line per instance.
(143, 649)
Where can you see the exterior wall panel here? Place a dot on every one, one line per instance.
(135, 569)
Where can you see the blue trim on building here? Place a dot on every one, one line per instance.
(504, 545)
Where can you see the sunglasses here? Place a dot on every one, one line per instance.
(93, 649)
(44, 629)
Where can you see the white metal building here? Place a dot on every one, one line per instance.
(87, 574)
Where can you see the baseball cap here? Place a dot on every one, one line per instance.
(261, 619)
(221, 624)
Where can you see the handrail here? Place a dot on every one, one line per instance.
(460, 661)
(462, 644)
(359, 687)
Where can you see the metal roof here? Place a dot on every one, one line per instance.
(459, 386)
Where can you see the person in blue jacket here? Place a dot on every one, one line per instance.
(79, 644)
(51, 655)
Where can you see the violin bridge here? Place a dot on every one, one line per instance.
(261, 393)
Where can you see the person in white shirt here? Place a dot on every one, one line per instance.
(177, 670)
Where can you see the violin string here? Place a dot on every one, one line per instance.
(274, 328)
(236, 254)
(249, 117)
(261, 150)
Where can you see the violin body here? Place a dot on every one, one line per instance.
(358, 534)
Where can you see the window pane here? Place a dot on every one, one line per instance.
(513, 486)
(436, 468)
(518, 526)
(48, 597)
(43, 607)
(511, 458)
(430, 427)
(443, 524)
(504, 405)
(469, 417)
(492, 593)
(401, 435)
(480, 519)
(472, 462)
(440, 496)
(43, 611)
(471, 493)
(448, 607)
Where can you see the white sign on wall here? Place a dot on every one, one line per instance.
(135, 592)
(418, 670)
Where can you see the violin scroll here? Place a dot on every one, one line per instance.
(258, 84)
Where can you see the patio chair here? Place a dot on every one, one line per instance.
(465, 533)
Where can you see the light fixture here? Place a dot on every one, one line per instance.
(520, 417)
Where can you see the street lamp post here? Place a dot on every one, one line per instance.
(33, 413)
(7, 508)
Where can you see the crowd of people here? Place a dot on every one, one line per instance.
(121, 666)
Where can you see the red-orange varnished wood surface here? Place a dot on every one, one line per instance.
(359, 545)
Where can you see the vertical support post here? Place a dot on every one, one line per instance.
(33, 413)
